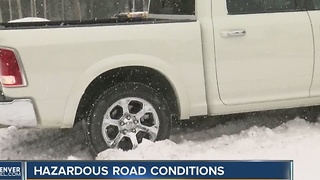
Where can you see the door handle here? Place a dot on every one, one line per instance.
(233, 33)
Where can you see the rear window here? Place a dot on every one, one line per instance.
(316, 4)
(174, 7)
(67, 10)
(260, 6)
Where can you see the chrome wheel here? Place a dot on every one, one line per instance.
(123, 115)
(128, 121)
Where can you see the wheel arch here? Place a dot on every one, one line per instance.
(142, 66)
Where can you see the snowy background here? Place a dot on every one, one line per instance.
(259, 136)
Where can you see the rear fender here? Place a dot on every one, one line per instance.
(126, 60)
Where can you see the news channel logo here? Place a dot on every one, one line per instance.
(12, 171)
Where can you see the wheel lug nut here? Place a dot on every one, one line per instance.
(134, 130)
(125, 132)
(136, 121)
(128, 117)
(122, 123)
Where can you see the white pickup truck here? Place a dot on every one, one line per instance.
(128, 79)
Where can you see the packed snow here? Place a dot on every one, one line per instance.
(254, 137)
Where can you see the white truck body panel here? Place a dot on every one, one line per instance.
(273, 65)
(315, 21)
(273, 60)
(221, 21)
(60, 63)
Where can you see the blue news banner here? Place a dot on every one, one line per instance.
(275, 170)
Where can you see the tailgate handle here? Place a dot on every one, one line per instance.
(233, 33)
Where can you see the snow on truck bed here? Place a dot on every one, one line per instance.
(29, 19)
(253, 138)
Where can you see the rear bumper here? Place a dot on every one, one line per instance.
(17, 112)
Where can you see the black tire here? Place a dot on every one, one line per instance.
(93, 124)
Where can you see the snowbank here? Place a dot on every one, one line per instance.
(296, 140)
(257, 138)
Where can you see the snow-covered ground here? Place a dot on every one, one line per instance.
(262, 137)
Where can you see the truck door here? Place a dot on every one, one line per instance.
(264, 50)
(314, 13)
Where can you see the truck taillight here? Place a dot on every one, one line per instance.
(10, 71)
